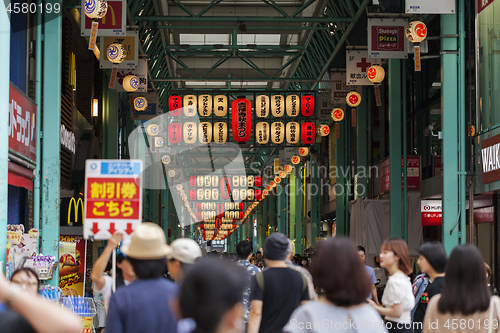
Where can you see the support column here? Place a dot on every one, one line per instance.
(299, 218)
(451, 136)
(315, 197)
(281, 207)
(51, 141)
(4, 134)
(109, 121)
(362, 143)
(293, 204)
(341, 185)
(395, 147)
(38, 102)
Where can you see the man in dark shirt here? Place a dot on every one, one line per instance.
(279, 292)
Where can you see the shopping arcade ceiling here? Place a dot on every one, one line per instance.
(248, 44)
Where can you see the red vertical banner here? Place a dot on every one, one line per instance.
(72, 251)
(241, 119)
(353, 117)
(307, 105)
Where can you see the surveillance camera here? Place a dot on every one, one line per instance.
(428, 130)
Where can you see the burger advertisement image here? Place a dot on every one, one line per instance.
(72, 251)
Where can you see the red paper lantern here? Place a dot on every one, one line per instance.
(202, 226)
(307, 105)
(308, 133)
(225, 188)
(192, 181)
(192, 194)
(257, 194)
(198, 215)
(242, 206)
(198, 206)
(217, 223)
(174, 132)
(257, 181)
(241, 119)
(175, 105)
(220, 209)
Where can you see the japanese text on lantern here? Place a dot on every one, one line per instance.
(263, 106)
(242, 119)
(112, 198)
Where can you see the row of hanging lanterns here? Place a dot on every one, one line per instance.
(263, 105)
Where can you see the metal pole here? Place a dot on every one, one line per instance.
(461, 119)
(405, 164)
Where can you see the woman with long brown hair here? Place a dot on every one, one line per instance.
(397, 301)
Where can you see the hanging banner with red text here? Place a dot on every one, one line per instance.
(113, 197)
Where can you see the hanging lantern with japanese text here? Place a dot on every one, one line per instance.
(220, 132)
(292, 132)
(257, 181)
(353, 98)
(220, 105)
(192, 181)
(95, 9)
(307, 105)
(376, 74)
(116, 53)
(205, 105)
(277, 106)
(292, 105)
(175, 105)
(277, 132)
(130, 83)
(250, 181)
(215, 195)
(190, 105)
(262, 132)
(241, 119)
(337, 114)
(205, 132)
(262, 106)
(236, 181)
(308, 133)
(190, 132)
(174, 133)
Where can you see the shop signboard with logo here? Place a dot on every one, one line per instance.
(22, 124)
(387, 39)
(490, 159)
(131, 43)
(412, 174)
(72, 251)
(113, 198)
(431, 212)
(112, 24)
(357, 64)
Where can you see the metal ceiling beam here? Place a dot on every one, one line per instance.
(304, 6)
(207, 8)
(234, 47)
(251, 64)
(235, 79)
(184, 8)
(288, 63)
(177, 60)
(262, 53)
(217, 64)
(270, 28)
(293, 20)
(273, 4)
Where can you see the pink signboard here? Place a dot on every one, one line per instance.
(482, 4)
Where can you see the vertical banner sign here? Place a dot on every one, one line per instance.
(113, 197)
(241, 119)
(262, 106)
(292, 105)
(337, 130)
(93, 35)
(386, 38)
(277, 106)
(190, 105)
(112, 79)
(413, 174)
(431, 212)
(437, 166)
(220, 105)
(205, 105)
(72, 251)
(353, 117)
(416, 57)
(308, 133)
(378, 98)
(307, 105)
(175, 105)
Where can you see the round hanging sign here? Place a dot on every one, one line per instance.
(153, 129)
(324, 130)
(282, 174)
(337, 114)
(295, 159)
(288, 168)
(303, 151)
(353, 98)
(158, 142)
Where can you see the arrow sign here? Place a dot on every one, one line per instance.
(129, 229)
(112, 228)
(95, 228)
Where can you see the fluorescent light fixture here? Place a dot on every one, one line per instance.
(95, 107)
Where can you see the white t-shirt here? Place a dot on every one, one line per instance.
(398, 290)
(323, 317)
(106, 290)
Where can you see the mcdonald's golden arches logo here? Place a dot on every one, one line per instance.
(75, 204)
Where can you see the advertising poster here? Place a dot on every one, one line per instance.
(72, 250)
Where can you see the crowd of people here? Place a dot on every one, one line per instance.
(179, 288)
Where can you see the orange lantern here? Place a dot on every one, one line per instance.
(324, 130)
(337, 114)
(303, 151)
(295, 159)
(353, 98)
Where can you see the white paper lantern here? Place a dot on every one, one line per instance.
(208, 181)
(205, 132)
(292, 105)
(277, 132)
(416, 31)
(292, 132)
(208, 194)
(262, 106)
(353, 98)
(116, 53)
(190, 132)
(190, 106)
(213, 204)
(220, 105)
(250, 194)
(199, 181)
(203, 206)
(140, 103)
(200, 194)
(236, 195)
(220, 132)
(205, 105)
(243, 194)
(130, 83)
(250, 181)
(262, 132)
(277, 106)
(227, 206)
(236, 181)
(95, 9)
(376, 74)
(243, 181)
(324, 130)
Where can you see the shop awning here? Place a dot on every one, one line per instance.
(20, 176)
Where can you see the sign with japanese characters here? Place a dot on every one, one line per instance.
(386, 38)
(112, 24)
(432, 212)
(141, 72)
(482, 4)
(22, 124)
(131, 43)
(357, 64)
(413, 174)
(340, 89)
(113, 197)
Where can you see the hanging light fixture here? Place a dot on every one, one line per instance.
(130, 83)
(337, 114)
(95, 9)
(116, 53)
(376, 74)
(140, 103)
(353, 98)
(95, 107)
(416, 31)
